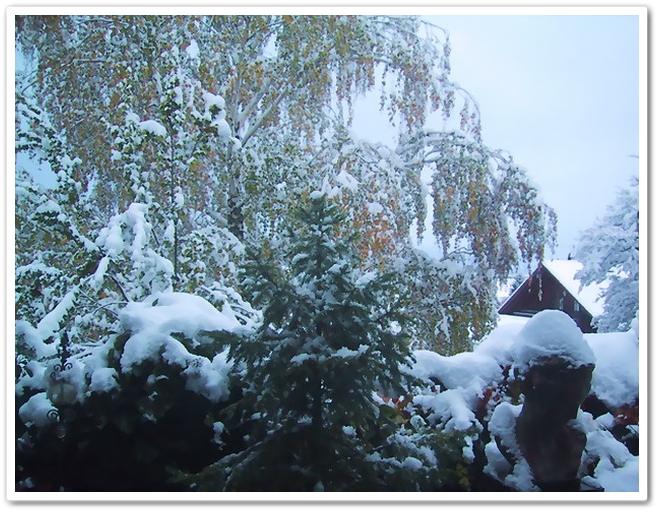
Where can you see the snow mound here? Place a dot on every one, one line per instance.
(458, 371)
(465, 375)
(36, 410)
(176, 312)
(152, 324)
(615, 379)
(497, 344)
(551, 333)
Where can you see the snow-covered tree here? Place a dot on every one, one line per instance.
(282, 74)
(219, 122)
(333, 336)
(609, 250)
(486, 219)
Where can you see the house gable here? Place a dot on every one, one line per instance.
(544, 291)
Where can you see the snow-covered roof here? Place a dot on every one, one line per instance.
(589, 296)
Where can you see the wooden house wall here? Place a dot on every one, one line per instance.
(526, 300)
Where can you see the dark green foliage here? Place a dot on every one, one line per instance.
(108, 446)
(332, 336)
(131, 439)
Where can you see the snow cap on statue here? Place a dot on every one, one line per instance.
(551, 335)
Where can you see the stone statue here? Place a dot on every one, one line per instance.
(548, 439)
(541, 440)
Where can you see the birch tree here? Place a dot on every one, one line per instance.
(220, 124)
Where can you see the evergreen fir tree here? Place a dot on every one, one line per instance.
(332, 336)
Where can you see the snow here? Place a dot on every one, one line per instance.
(625, 478)
(349, 431)
(345, 352)
(35, 340)
(131, 117)
(458, 371)
(301, 358)
(589, 296)
(222, 127)
(518, 341)
(348, 180)
(103, 380)
(35, 410)
(129, 233)
(615, 379)
(170, 231)
(502, 427)
(179, 199)
(51, 323)
(366, 278)
(465, 377)
(218, 429)
(110, 238)
(99, 274)
(551, 333)
(412, 463)
(47, 207)
(177, 312)
(214, 110)
(153, 321)
(213, 100)
(192, 49)
(374, 208)
(153, 127)
(498, 343)
(450, 409)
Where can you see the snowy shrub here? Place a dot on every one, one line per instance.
(130, 413)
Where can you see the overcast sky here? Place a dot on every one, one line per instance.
(561, 95)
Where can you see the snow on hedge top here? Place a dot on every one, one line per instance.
(615, 380)
(497, 344)
(152, 323)
(465, 375)
(588, 296)
(551, 333)
(176, 312)
(457, 371)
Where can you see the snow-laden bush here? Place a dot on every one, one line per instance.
(125, 415)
